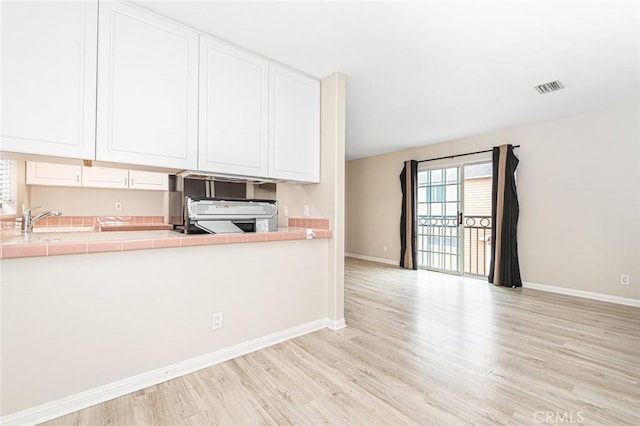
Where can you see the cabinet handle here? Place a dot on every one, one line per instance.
(126, 182)
(77, 178)
(131, 182)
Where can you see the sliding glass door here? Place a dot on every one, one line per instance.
(448, 239)
(439, 217)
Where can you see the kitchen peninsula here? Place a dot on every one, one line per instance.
(78, 323)
(63, 240)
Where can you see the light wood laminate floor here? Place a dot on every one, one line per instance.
(419, 348)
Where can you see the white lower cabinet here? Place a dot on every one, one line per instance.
(51, 174)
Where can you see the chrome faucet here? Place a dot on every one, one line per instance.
(28, 221)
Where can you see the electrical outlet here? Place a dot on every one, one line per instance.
(217, 321)
(384, 249)
(624, 279)
(117, 206)
(285, 210)
(305, 210)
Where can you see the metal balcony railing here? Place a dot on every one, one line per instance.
(477, 244)
(438, 243)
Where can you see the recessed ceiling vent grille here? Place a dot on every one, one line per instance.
(552, 86)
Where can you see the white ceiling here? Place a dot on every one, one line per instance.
(424, 72)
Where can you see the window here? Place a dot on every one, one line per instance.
(6, 185)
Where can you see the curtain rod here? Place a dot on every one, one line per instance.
(461, 155)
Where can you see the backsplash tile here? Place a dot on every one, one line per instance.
(10, 223)
(135, 222)
(97, 222)
(307, 222)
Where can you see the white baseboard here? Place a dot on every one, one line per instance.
(582, 293)
(373, 259)
(70, 404)
(336, 325)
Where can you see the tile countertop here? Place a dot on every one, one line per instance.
(12, 244)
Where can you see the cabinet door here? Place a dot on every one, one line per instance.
(294, 126)
(53, 174)
(147, 89)
(148, 180)
(49, 77)
(234, 113)
(103, 177)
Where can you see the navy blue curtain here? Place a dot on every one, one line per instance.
(505, 268)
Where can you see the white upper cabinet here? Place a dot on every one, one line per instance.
(104, 177)
(294, 126)
(127, 86)
(234, 110)
(147, 89)
(148, 180)
(53, 174)
(49, 77)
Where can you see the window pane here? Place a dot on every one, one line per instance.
(452, 175)
(423, 178)
(5, 180)
(422, 194)
(452, 209)
(452, 193)
(436, 177)
(478, 170)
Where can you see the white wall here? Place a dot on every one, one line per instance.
(98, 201)
(579, 192)
(72, 323)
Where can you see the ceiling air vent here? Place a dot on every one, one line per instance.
(552, 86)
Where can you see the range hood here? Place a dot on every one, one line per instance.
(196, 174)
